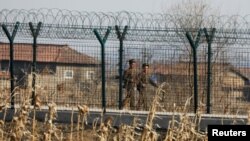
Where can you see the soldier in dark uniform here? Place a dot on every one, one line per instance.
(130, 81)
(143, 81)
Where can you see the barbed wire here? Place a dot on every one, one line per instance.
(161, 27)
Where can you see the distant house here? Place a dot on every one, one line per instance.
(56, 65)
(245, 74)
(225, 77)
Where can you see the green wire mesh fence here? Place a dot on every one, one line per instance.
(72, 58)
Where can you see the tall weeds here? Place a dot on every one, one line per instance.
(181, 127)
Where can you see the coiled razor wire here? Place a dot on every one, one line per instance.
(159, 27)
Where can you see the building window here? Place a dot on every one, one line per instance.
(90, 75)
(68, 74)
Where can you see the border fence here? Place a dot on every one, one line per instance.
(73, 58)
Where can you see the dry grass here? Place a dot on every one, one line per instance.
(23, 127)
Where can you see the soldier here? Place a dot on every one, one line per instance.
(143, 81)
(130, 81)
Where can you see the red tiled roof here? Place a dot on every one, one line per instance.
(244, 71)
(46, 53)
(187, 68)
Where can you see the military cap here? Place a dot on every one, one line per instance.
(145, 64)
(131, 61)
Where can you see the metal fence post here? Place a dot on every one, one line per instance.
(194, 45)
(35, 33)
(11, 39)
(209, 73)
(102, 42)
(121, 37)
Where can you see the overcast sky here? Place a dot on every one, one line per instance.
(225, 7)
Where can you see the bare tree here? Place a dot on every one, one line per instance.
(191, 15)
